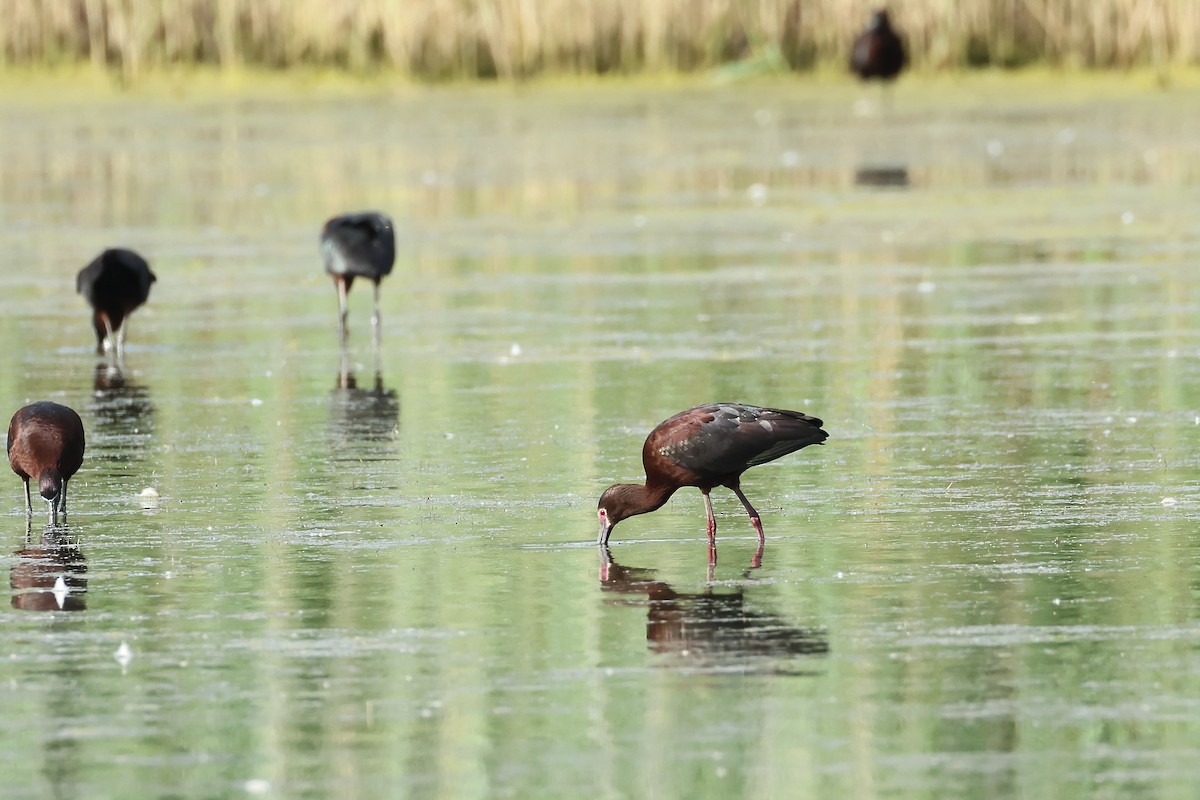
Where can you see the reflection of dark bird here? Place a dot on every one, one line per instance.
(121, 408)
(878, 51)
(358, 246)
(366, 414)
(708, 446)
(115, 283)
(49, 576)
(45, 441)
(710, 629)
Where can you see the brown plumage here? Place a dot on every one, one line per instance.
(878, 51)
(708, 446)
(45, 442)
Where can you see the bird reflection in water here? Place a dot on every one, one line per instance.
(360, 413)
(121, 406)
(709, 629)
(881, 176)
(50, 575)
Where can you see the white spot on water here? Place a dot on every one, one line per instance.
(123, 654)
(254, 401)
(60, 591)
(995, 148)
(926, 287)
(515, 350)
(790, 158)
(1127, 217)
(257, 786)
(1131, 420)
(639, 221)
(757, 193)
(1168, 501)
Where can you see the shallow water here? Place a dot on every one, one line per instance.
(376, 576)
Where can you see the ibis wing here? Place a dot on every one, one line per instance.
(729, 438)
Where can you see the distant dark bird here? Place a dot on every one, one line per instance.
(115, 283)
(707, 446)
(45, 442)
(878, 51)
(358, 246)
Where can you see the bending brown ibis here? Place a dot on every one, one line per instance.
(708, 446)
(45, 442)
(359, 245)
(114, 284)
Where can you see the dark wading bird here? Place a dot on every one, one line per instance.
(114, 284)
(358, 246)
(708, 446)
(878, 51)
(45, 442)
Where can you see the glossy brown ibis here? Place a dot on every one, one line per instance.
(114, 284)
(878, 51)
(359, 245)
(45, 442)
(708, 446)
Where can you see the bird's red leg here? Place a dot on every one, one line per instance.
(712, 530)
(712, 521)
(754, 520)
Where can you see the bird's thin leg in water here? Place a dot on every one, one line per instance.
(342, 309)
(756, 562)
(121, 340)
(28, 501)
(109, 342)
(712, 521)
(754, 520)
(376, 319)
(53, 510)
(62, 500)
(712, 534)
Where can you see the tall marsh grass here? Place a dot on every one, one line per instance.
(514, 39)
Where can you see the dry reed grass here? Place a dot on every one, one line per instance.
(514, 39)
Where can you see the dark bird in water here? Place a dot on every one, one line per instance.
(878, 50)
(708, 446)
(45, 442)
(114, 284)
(358, 246)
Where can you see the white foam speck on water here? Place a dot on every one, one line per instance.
(123, 654)
(60, 591)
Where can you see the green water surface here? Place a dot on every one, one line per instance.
(374, 574)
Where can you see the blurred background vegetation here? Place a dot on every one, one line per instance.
(519, 39)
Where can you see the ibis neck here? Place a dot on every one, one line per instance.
(642, 499)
